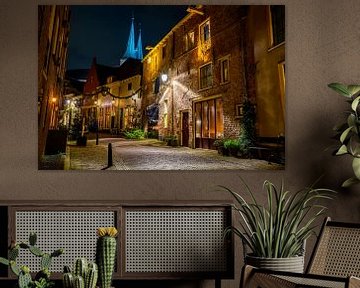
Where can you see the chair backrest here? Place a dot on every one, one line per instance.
(337, 251)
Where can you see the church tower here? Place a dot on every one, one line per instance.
(139, 51)
(132, 51)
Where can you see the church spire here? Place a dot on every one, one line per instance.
(130, 49)
(139, 50)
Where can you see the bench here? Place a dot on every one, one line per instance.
(269, 149)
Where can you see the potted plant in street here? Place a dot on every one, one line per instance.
(275, 234)
(247, 135)
(219, 145)
(77, 130)
(172, 141)
(349, 132)
(232, 145)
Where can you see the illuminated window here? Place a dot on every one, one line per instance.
(47, 59)
(163, 52)
(205, 31)
(155, 63)
(166, 118)
(55, 36)
(110, 79)
(277, 19)
(206, 76)
(189, 41)
(281, 67)
(156, 85)
(209, 122)
(224, 70)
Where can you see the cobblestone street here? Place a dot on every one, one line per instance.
(151, 154)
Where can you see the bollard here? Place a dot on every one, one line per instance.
(110, 160)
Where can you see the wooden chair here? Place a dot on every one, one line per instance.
(334, 263)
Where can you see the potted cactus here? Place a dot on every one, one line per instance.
(42, 278)
(84, 275)
(106, 254)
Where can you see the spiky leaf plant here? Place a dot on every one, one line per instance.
(279, 229)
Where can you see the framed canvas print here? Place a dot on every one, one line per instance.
(118, 90)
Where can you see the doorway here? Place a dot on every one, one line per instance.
(209, 122)
(185, 129)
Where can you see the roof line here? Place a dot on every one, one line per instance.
(187, 17)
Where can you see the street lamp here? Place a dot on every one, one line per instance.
(69, 111)
(164, 78)
(96, 121)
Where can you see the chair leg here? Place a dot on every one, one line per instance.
(246, 273)
(354, 282)
(250, 278)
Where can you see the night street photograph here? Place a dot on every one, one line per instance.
(161, 87)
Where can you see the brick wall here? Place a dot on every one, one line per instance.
(53, 37)
(232, 36)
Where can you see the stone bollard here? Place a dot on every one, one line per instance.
(110, 159)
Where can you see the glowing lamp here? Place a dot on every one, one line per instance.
(164, 77)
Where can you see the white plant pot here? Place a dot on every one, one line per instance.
(291, 264)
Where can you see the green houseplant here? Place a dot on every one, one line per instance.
(232, 145)
(84, 274)
(349, 132)
(42, 278)
(279, 229)
(247, 136)
(106, 254)
(219, 145)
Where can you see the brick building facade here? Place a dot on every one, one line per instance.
(111, 96)
(201, 72)
(53, 38)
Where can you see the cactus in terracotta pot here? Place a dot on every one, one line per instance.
(106, 254)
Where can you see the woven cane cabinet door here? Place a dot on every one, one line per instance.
(73, 229)
(171, 242)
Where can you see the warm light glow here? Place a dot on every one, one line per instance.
(68, 102)
(164, 77)
(53, 99)
(96, 102)
(163, 97)
(185, 90)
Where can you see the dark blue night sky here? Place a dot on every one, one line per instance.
(103, 31)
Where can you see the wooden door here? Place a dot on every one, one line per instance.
(185, 129)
